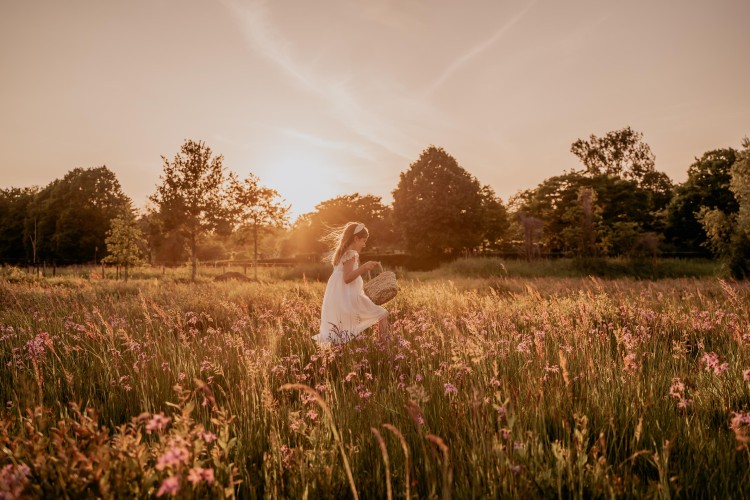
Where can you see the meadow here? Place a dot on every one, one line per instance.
(496, 381)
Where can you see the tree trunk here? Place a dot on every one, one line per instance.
(255, 251)
(192, 255)
(126, 273)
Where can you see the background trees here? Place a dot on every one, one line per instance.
(190, 200)
(14, 205)
(256, 208)
(125, 242)
(440, 209)
(67, 221)
(707, 185)
(368, 209)
(612, 207)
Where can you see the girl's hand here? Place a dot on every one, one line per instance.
(370, 265)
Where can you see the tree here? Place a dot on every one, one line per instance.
(728, 232)
(190, 199)
(620, 153)
(707, 185)
(258, 208)
(309, 229)
(494, 218)
(438, 206)
(14, 204)
(68, 220)
(125, 242)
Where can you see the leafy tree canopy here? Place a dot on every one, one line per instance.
(191, 197)
(70, 217)
(438, 206)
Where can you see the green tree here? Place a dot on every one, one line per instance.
(191, 197)
(67, 221)
(14, 204)
(620, 153)
(125, 242)
(309, 229)
(707, 186)
(495, 222)
(438, 206)
(727, 231)
(257, 208)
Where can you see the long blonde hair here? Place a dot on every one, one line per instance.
(340, 238)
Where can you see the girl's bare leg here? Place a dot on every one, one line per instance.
(383, 327)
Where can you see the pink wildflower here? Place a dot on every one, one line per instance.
(208, 437)
(450, 389)
(746, 375)
(711, 363)
(158, 423)
(198, 474)
(172, 458)
(170, 486)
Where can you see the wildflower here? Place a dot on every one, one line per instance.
(746, 375)
(208, 437)
(198, 474)
(158, 423)
(172, 458)
(740, 424)
(350, 376)
(312, 415)
(677, 391)
(631, 362)
(711, 363)
(450, 389)
(13, 480)
(170, 486)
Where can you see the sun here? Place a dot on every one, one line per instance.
(302, 178)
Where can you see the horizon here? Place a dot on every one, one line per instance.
(348, 96)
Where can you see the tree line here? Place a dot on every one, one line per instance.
(617, 204)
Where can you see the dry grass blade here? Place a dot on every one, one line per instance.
(404, 447)
(321, 402)
(384, 451)
(447, 473)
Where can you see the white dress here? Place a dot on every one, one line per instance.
(346, 310)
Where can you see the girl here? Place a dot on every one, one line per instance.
(346, 310)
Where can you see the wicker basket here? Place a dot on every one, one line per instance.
(382, 287)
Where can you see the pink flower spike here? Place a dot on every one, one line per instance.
(450, 389)
(170, 486)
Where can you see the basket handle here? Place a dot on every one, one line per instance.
(369, 276)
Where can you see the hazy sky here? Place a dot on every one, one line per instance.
(322, 97)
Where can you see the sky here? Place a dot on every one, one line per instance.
(325, 98)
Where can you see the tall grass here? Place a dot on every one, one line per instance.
(487, 387)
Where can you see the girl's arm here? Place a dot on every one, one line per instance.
(350, 274)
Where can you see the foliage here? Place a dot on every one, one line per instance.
(151, 455)
(707, 188)
(14, 203)
(727, 232)
(438, 206)
(125, 242)
(256, 208)
(309, 229)
(190, 199)
(67, 221)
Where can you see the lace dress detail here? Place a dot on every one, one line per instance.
(346, 310)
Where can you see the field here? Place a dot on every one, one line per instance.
(492, 384)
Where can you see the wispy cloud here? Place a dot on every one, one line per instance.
(478, 49)
(254, 20)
